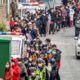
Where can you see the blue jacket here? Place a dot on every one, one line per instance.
(33, 33)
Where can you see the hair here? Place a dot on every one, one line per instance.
(54, 45)
(48, 40)
(8, 68)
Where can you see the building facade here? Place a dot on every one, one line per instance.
(5, 9)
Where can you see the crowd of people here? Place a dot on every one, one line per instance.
(39, 62)
(47, 21)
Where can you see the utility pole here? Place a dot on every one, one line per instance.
(54, 3)
(7, 7)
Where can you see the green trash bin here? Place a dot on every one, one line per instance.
(5, 43)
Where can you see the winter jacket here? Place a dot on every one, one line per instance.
(12, 23)
(33, 33)
(68, 11)
(57, 56)
(53, 73)
(77, 22)
(16, 70)
(44, 20)
(8, 74)
(39, 23)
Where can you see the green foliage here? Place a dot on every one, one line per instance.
(2, 27)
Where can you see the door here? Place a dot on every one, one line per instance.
(4, 55)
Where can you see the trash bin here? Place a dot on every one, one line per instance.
(5, 43)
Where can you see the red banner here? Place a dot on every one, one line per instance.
(33, 0)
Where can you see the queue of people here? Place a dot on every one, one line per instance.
(48, 21)
(39, 62)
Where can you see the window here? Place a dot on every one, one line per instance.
(1, 2)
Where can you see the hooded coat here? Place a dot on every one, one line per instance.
(16, 70)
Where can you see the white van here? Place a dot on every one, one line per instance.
(17, 45)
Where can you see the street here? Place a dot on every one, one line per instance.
(70, 66)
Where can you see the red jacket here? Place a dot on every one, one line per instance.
(16, 70)
(12, 23)
(8, 74)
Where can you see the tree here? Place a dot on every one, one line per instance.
(2, 27)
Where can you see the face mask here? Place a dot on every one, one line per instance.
(34, 64)
(40, 65)
(37, 51)
(29, 64)
(20, 62)
(32, 50)
(30, 59)
(12, 63)
(28, 48)
(7, 66)
(50, 51)
(33, 74)
(26, 62)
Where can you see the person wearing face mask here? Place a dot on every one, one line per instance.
(33, 75)
(57, 55)
(41, 70)
(23, 69)
(16, 70)
(32, 30)
(54, 74)
(8, 72)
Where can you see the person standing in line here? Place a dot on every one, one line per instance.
(44, 20)
(71, 17)
(8, 75)
(16, 70)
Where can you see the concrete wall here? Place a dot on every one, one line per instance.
(3, 11)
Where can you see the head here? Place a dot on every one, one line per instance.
(31, 58)
(14, 62)
(7, 66)
(20, 61)
(54, 47)
(34, 63)
(16, 22)
(42, 55)
(30, 25)
(50, 56)
(48, 41)
(40, 63)
(33, 71)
